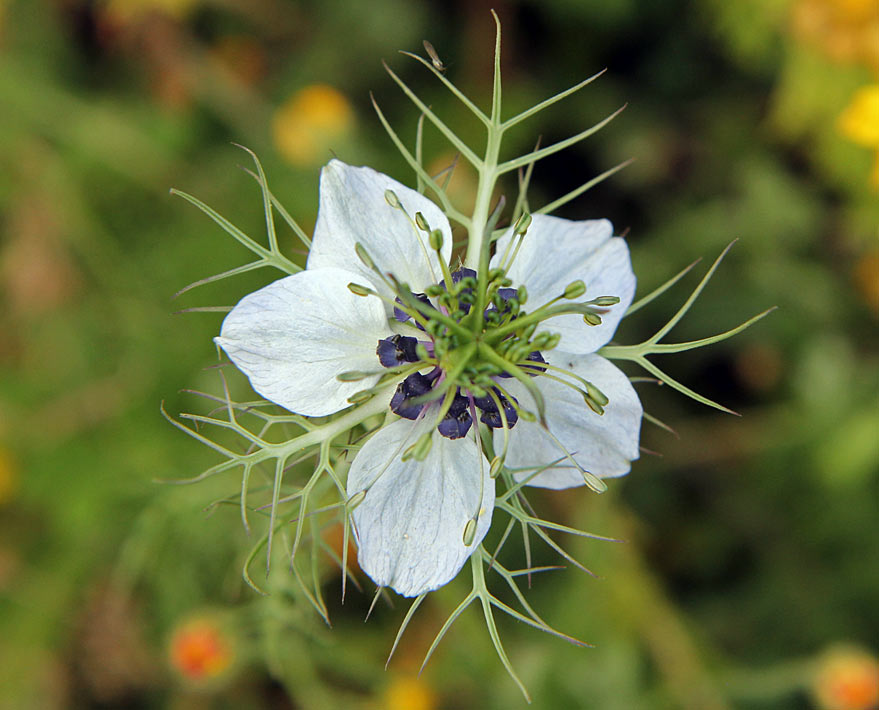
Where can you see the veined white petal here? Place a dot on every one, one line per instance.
(410, 526)
(605, 445)
(294, 336)
(353, 209)
(556, 252)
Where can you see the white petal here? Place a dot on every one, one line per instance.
(410, 527)
(353, 209)
(556, 252)
(294, 336)
(603, 445)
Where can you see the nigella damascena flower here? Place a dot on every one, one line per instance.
(452, 352)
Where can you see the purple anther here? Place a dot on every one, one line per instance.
(490, 414)
(402, 316)
(457, 421)
(413, 386)
(531, 370)
(396, 350)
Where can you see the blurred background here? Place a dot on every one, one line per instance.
(750, 578)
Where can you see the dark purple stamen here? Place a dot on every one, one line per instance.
(532, 370)
(457, 421)
(402, 316)
(413, 386)
(461, 273)
(397, 350)
(490, 414)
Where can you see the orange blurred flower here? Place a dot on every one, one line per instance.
(409, 693)
(847, 678)
(307, 125)
(201, 650)
(845, 30)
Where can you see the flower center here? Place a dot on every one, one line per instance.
(460, 385)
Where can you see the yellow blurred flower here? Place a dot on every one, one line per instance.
(859, 122)
(310, 122)
(846, 678)
(201, 650)
(409, 693)
(8, 477)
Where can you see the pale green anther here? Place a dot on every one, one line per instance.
(361, 396)
(469, 532)
(552, 341)
(593, 481)
(422, 447)
(575, 289)
(352, 376)
(605, 301)
(596, 394)
(434, 291)
(495, 274)
(355, 500)
(522, 295)
(391, 198)
(522, 224)
(528, 332)
(421, 222)
(591, 319)
(436, 239)
(363, 255)
(593, 405)
(421, 351)
(527, 415)
(359, 290)
(478, 391)
(497, 463)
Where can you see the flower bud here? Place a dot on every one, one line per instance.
(575, 289)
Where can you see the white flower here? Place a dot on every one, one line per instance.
(294, 338)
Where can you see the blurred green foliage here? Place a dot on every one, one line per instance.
(752, 542)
